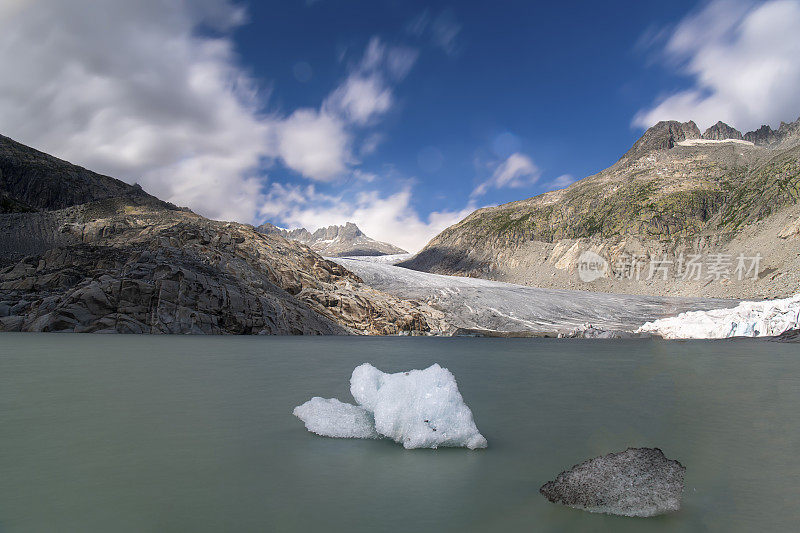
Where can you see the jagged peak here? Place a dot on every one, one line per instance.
(347, 230)
(345, 239)
(663, 136)
(766, 136)
(721, 131)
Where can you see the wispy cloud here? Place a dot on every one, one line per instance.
(319, 143)
(742, 57)
(518, 170)
(442, 29)
(562, 181)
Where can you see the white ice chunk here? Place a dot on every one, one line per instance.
(332, 418)
(418, 408)
(748, 319)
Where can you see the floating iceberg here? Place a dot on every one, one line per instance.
(748, 319)
(332, 418)
(418, 409)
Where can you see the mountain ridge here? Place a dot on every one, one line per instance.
(335, 241)
(661, 197)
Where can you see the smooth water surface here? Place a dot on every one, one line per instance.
(167, 433)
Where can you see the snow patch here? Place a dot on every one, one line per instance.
(418, 409)
(700, 142)
(748, 319)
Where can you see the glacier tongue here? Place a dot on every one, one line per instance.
(748, 319)
(418, 409)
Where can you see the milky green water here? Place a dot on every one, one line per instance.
(162, 433)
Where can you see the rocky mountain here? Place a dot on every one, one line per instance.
(721, 131)
(82, 252)
(31, 180)
(675, 194)
(335, 241)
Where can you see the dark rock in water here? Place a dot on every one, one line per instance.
(636, 482)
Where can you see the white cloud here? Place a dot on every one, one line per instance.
(360, 98)
(129, 89)
(389, 218)
(137, 91)
(315, 144)
(518, 170)
(366, 92)
(319, 144)
(743, 58)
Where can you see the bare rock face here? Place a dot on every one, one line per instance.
(31, 180)
(81, 252)
(637, 482)
(721, 131)
(663, 136)
(766, 136)
(154, 271)
(763, 136)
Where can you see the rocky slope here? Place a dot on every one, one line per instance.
(335, 241)
(674, 194)
(82, 252)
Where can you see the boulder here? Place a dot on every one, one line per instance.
(637, 482)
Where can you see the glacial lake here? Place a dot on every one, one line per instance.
(162, 433)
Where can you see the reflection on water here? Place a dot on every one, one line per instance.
(127, 433)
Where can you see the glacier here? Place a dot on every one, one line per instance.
(748, 319)
(481, 304)
(417, 408)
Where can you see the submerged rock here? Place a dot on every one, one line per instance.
(636, 482)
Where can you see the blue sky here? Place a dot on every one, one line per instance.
(558, 83)
(400, 116)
